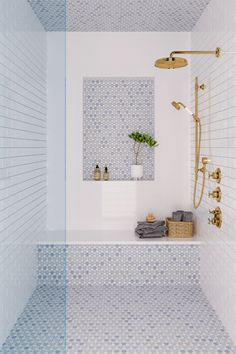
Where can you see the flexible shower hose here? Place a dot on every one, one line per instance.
(198, 137)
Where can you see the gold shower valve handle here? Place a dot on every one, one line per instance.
(215, 211)
(217, 218)
(215, 222)
(215, 194)
(216, 175)
(212, 221)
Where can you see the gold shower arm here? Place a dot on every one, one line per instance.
(215, 52)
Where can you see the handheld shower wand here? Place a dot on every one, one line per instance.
(178, 105)
(198, 133)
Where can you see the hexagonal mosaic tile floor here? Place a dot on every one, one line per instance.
(119, 319)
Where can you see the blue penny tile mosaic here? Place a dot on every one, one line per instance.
(119, 319)
(114, 108)
(144, 320)
(41, 327)
(133, 265)
(119, 299)
(119, 264)
(118, 15)
(52, 264)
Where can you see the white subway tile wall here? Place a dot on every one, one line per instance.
(23, 154)
(217, 111)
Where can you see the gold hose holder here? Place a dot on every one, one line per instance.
(205, 161)
(203, 169)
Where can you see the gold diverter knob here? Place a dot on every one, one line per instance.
(217, 217)
(215, 194)
(216, 175)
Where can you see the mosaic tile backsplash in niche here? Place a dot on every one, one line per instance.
(114, 107)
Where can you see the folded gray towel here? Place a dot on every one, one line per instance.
(151, 224)
(153, 235)
(149, 232)
(181, 215)
(177, 215)
(150, 229)
(187, 216)
(160, 229)
(146, 228)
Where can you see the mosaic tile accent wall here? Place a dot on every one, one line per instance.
(119, 265)
(118, 15)
(113, 108)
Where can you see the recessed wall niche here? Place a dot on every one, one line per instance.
(113, 108)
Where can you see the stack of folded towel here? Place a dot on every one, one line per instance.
(155, 229)
(181, 215)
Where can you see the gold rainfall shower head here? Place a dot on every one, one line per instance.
(173, 62)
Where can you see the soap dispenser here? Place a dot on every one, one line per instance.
(106, 174)
(97, 173)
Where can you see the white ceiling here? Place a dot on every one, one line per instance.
(118, 15)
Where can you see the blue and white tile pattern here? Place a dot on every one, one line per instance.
(166, 314)
(41, 326)
(113, 108)
(144, 320)
(119, 15)
(119, 265)
(119, 319)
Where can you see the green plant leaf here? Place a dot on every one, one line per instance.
(143, 139)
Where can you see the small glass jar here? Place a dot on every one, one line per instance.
(97, 173)
(106, 174)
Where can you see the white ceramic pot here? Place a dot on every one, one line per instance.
(136, 172)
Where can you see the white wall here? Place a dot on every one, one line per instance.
(23, 158)
(215, 28)
(118, 205)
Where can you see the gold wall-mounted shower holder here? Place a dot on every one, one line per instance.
(217, 217)
(215, 194)
(205, 161)
(202, 86)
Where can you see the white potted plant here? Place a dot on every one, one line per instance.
(139, 139)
